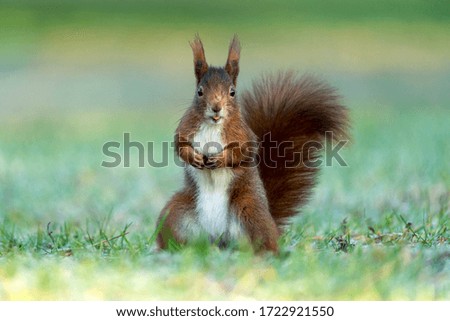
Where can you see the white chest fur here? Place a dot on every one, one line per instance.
(208, 139)
(213, 197)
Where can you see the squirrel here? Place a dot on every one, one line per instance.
(238, 185)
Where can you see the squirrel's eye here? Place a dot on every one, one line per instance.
(232, 92)
(200, 91)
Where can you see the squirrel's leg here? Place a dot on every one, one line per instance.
(252, 211)
(176, 219)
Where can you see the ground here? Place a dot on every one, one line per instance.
(377, 229)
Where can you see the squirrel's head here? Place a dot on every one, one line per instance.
(215, 94)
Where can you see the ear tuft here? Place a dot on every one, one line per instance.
(232, 65)
(200, 65)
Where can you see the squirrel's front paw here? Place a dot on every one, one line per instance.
(198, 161)
(214, 162)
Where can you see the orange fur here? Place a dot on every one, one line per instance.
(250, 197)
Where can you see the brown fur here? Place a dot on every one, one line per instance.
(298, 110)
(261, 197)
(199, 58)
(182, 203)
(232, 64)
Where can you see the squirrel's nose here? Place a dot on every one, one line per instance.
(216, 108)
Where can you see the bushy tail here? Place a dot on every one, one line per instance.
(298, 112)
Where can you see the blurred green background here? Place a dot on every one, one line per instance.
(74, 75)
(86, 55)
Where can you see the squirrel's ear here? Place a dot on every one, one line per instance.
(232, 65)
(200, 65)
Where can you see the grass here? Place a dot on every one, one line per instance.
(377, 229)
(73, 230)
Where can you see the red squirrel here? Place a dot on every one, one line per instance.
(237, 182)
